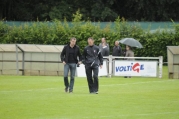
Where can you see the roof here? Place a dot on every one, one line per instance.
(173, 49)
(31, 48)
(8, 48)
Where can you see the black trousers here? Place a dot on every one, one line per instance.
(93, 83)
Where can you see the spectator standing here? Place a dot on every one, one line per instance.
(129, 53)
(117, 50)
(104, 47)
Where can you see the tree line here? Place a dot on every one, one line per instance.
(93, 10)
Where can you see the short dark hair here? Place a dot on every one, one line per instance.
(73, 38)
(91, 38)
(130, 47)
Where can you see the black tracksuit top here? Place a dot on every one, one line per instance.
(92, 54)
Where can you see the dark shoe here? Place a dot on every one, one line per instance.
(92, 92)
(70, 91)
(66, 90)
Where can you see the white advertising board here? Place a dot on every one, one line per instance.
(135, 68)
(80, 71)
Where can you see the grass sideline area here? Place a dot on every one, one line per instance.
(43, 97)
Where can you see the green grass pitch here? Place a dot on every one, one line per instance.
(43, 97)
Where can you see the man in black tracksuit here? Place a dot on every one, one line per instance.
(92, 58)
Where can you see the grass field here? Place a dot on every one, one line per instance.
(33, 97)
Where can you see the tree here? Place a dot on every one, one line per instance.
(94, 10)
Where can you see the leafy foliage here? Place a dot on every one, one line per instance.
(58, 32)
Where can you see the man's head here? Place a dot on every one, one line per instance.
(103, 40)
(73, 42)
(116, 43)
(90, 41)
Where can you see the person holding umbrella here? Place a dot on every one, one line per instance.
(129, 53)
(130, 42)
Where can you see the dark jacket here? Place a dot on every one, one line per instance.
(104, 50)
(117, 51)
(92, 55)
(65, 53)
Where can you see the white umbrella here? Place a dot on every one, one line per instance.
(131, 42)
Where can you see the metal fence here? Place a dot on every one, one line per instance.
(144, 25)
(44, 60)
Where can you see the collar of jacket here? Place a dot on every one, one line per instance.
(116, 46)
(69, 45)
(91, 45)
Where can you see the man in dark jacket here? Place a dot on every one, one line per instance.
(69, 57)
(117, 50)
(92, 60)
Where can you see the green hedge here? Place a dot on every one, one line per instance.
(59, 34)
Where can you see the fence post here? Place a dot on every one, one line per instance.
(23, 62)
(160, 66)
(17, 60)
(110, 66)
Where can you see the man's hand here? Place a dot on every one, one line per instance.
(80, 62)
(64, 62)
(101, 66)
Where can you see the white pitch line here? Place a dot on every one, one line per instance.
(133, 83)
(145, 114)
(137, 83)
(124, 115)
(42, 89)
